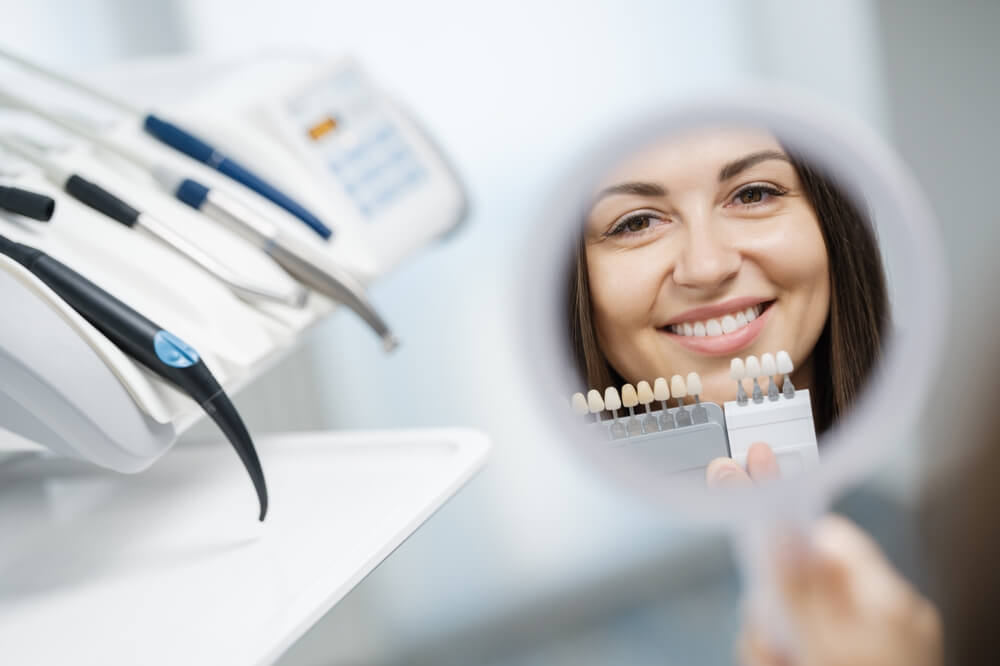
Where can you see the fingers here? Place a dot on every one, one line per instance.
(762, 464)
(726, 473)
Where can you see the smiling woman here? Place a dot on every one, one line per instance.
(723, 243)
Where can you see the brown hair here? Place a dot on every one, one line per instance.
(850, 342)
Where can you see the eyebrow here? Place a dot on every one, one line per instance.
(636, 188)
(744, 163)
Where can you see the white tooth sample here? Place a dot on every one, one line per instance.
(713, 327)
(629, 397)
(688, 329)
(729, 324)
(784, 363)
(660, 390)
(767, 365)
(677, 388)
(611, 399)
(753, 367)
(645, 392)
(694, 383)
(699, 329)
(741, 320)
(751, 314)
(580, 403)
(737, 370)
(594, 401)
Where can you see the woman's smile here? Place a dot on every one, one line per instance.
(719, 330)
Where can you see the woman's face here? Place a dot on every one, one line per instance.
(701, 249)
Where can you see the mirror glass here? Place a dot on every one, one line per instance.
(729, 296)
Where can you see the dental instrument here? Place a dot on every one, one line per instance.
(30, 204)
(307, 264)
(185, 142)
(160, 351)
(99, 199)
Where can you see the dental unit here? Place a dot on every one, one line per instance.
(184, 142)
(309, 265)
(162, 352)
(96, 197)
(684, 439)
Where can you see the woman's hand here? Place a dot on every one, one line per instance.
(762, 465)
(848, 607)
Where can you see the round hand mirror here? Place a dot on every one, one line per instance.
(731, 305)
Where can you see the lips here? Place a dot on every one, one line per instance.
(720, 329)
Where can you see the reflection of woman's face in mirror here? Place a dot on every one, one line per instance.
(719, 244)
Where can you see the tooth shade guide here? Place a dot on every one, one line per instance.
(660, 390)
(611, 399)
(579, 403)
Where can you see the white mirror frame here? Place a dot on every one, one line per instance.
(908, 236)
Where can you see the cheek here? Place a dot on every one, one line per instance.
(624, 286)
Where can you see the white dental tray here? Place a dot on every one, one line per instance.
(62, 384)
(172, 567)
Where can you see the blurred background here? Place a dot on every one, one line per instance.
(538, 560)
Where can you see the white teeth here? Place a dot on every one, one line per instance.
(727, 324)
(645, 392)
(580, 404)
(594, 401)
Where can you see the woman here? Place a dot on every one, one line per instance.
(721, 244)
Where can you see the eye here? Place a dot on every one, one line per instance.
(756, 194)
(636, 223)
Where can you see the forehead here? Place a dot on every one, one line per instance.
(692, 156)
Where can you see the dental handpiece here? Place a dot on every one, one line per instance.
(99, 199)
(307, 264)
(163, 353)
(185, 142)
(30, 204)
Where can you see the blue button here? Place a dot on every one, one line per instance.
(173, 351)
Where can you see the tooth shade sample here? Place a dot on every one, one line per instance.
(580, 403)
(784, 363)
(729, 324)
(753, 366)
(645, 392)
(737, 370)
(660, 390)
(677, 388)
(629, 397)
(768, 365)
(594, 401)
(712, 328)
(694, 383)
(611, 399)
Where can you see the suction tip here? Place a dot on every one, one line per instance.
(228, 419)
(389, 342)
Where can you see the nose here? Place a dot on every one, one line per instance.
(707, 260)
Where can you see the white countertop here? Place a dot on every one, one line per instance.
(171, 566)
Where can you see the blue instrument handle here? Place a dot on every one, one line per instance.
(185, 142)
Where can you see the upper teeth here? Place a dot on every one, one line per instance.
(712, 327)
